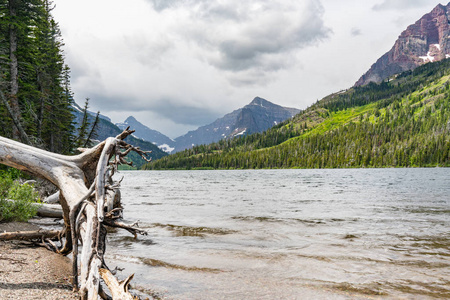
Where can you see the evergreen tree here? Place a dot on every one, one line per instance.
(33, 79)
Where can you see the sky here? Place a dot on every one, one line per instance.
(176, 65)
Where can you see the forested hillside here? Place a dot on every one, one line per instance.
(401, 123)
(35, 93)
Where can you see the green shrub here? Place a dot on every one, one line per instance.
(24, 195)
(5, 183)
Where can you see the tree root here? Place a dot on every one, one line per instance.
(88, 197)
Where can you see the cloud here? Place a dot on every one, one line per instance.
(401, 4)
(355, 31)
(240, 36)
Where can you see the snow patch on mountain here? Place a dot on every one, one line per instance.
(166, 148)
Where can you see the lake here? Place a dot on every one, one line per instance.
(287, 234)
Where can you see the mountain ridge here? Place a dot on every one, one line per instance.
(257, 116)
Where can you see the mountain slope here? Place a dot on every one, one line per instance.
(107, 129)
(257, 116)
(428, 40)
(143, 132)
(403, 123)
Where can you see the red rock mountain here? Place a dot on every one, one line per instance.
(425, 41)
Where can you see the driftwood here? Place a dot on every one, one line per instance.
(52, 199)
(118, 289)
(29, 235)
(50, 211)
(87, 197)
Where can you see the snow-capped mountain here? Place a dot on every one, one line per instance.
(143, 132)
(257, 116)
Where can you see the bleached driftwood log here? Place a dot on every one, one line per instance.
(85, 183)
(50, 211)
(52, 199)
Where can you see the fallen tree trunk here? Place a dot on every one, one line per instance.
(50, 211)
(86, 197)
(29, 235)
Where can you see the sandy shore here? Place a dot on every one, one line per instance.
(28, 272)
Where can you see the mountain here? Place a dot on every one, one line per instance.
(428, 40)
(257, 116)
(107, 129)
(78, 113)
(143, 132)
(401, 123)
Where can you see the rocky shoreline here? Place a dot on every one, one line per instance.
(30, 272)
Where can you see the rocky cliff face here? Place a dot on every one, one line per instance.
(427, 40)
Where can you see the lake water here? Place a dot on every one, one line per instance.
(287, 234)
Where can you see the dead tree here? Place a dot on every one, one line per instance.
(87, 200)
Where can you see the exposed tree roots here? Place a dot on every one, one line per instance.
(88, 197)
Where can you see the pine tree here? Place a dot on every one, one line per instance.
(33, 76)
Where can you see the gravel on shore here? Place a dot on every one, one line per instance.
(30, 272)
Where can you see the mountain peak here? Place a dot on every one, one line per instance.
(427, 40)
(258, 101)
(257, 116)
(143, 132)
(130, 119)
(439, 7)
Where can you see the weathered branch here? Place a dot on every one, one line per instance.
(113, 222)
(29, 235)
(118, 289)
(88, 197)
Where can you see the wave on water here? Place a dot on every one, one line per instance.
(180, 230)
(311, 222)
(151, 262)
(429, 290)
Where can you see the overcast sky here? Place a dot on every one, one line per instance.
(179, 64)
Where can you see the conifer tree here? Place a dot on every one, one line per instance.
(33, 79)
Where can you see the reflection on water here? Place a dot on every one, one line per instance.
(287, 234)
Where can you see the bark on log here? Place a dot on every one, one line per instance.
(84, 182)
(29, 235)
(50, 211)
